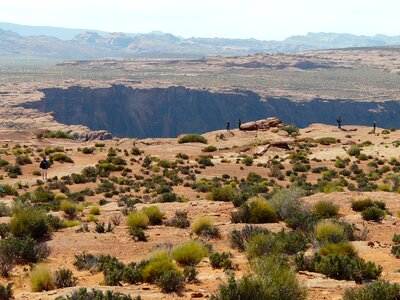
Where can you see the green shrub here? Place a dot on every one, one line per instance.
(60, 196)
(327, 231)
(239, 238)
(290, 129)
(180, 220)
(205, 160)
(41, 279)
(189, 253)
(327, 141)
(272, 279)
(5, 211)
(6, 292)
(69, 208)
(113, 270)
(157, 266)
(138, 234)
(87, 150)
(8, 190)
(154, 214)
(373, 214)
(64, 278)
(137, 219)
(133, 272)
(190, 274)
(220, 260)
(86, 261)
(100, 227)
(204, 226)
(226, 194)
(57, 135)
(70, 223)
(396, 251)
(29, 222)
(287, 203)
(255, 210)
(261, 244)
(396, 238)
(343, 267)
(247, 161)
(361, 204)
(23, 160)
(136, 151)
(13, 170)
(354, 150)
(84, 294)
(20, 250)
(342, 248)
(326, 209)
(209, 149)
(94, 210)
(61, 157)
(168, 197)
(192, 138)
(378, 289)
(170, 281)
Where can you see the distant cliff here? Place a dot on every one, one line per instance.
(168, 112)
(21, 40)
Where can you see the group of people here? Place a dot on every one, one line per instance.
(339, 121)
(228, 125)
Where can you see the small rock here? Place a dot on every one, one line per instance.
(197, 295)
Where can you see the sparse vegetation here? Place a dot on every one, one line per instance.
(189, 253)
(42, 279)
(204, 226)
(192, 138)
(137, 220)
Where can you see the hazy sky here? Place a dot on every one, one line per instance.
(262, 19)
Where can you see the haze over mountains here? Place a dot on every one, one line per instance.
(23, 40)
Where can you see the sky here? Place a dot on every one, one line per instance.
(261, 19)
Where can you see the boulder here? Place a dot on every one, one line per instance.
(281, 145)
(262, 124)
(92, 135)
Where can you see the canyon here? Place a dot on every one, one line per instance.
(168, 112)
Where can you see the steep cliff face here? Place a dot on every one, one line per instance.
(157, 112)
(168, 112)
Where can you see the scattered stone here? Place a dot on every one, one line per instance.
(197, 295)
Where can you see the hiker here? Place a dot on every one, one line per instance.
(374, 128)
(44, 165)
(339, 121)
(228, 126)
(239, 123)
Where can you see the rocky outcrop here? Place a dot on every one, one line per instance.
(262, 124)
(91, 135)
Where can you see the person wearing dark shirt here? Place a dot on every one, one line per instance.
(44, 165)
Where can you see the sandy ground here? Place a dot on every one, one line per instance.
(65, 243)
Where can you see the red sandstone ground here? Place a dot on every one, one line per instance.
(65, 243)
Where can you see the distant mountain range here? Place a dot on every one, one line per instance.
(41, 41)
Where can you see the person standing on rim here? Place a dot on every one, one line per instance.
(239, 123)
(44, 165)
(339, 121)
(228, 126)
(374, 127)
